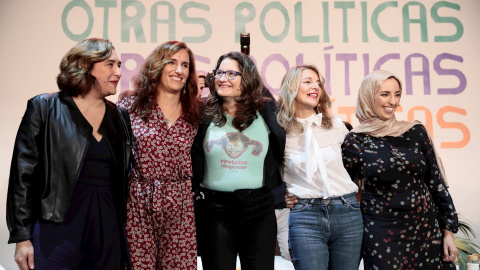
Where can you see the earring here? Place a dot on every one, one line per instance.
(185, 88)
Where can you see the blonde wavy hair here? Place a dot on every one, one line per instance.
(286, 102)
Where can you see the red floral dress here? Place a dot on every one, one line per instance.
(160, 223)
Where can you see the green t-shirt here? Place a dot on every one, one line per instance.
(234, 160)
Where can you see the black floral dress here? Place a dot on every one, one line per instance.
(405, 203)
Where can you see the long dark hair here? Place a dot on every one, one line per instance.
(74, 77)
(248, 103)
(148, 79)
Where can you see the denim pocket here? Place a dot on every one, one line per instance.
(299, 207)
(353, 203)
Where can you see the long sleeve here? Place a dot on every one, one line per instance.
(443, 201)
(23, 189)
(198, 156)
(352, 155)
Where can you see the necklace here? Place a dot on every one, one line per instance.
(167, 118)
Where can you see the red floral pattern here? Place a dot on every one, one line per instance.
(160, 223)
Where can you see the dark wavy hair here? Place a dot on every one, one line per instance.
(74, 77)
(286, 100)
(147, 81)
(248, 103)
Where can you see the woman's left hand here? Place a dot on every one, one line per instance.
(290, 201)
(450, 250)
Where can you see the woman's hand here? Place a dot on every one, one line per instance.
(290, 201)
(24, 255)
(189, 185)
(450, 250)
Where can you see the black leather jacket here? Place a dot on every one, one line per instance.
(48, 155)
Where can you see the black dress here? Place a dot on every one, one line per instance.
(405, 203)
(89, 238)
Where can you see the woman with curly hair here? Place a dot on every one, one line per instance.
(234, 178)
(66, 200)
(164, 113)
(325, 224)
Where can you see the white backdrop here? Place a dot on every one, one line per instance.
(431, 45)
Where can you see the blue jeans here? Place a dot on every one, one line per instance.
(326, 234)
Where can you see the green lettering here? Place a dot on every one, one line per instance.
(81, 4)
(278, 6)
(456, 22)
(206, 24)
(154, 21)
(407, 21)
(299, 27)
(364, 22)
(241, 20)
(106, 4)
(133, 21)
(345, 6)
(376, 27)
(326, 27)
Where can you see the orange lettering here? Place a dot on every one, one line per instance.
(428, 117)
(464, 129)
(348, 111)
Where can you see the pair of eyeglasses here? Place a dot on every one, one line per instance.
(229, 74)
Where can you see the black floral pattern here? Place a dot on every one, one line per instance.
(405, 203)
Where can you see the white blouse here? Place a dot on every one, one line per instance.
(313, 160)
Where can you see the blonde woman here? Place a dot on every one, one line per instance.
(325, 225)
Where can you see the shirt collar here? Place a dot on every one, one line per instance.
(313, 119)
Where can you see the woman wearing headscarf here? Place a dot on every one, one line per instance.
(408, 213)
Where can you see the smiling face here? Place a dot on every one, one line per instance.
(309, 92)
(108, 75)
(228, 88)
(387, 98)
(176, 71)
(235, 148)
